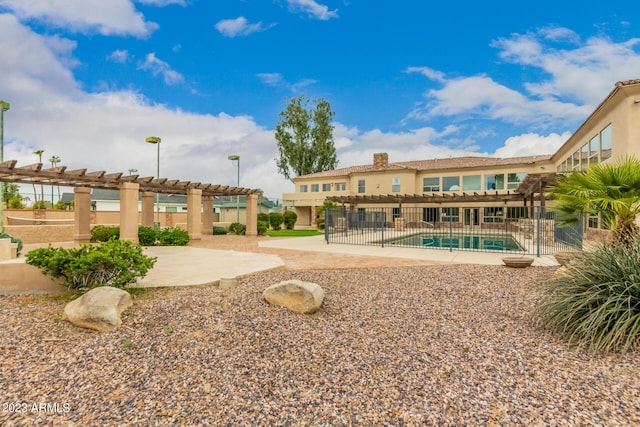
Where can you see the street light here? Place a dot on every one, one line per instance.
(4, 106)
(156, 140)
(236, 158)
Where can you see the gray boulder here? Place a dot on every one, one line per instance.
(98, 309)
(296, 295)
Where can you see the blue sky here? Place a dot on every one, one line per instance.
(88, 80)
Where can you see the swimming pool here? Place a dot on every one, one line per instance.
(485, 242)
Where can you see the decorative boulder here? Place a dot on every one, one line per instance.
(98, 309)
(517, 262)
(296, 295)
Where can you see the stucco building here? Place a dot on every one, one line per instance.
(482, 189)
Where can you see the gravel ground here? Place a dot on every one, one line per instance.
(396, 346)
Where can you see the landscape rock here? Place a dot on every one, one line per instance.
(296, 295)
(98, 309)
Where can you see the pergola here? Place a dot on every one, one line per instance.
(531, 189)
(198, 194)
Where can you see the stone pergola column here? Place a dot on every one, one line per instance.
(207, 215)
(194, 216)
(82, 215)
(252, 215)
(147, 208)
(129, 211)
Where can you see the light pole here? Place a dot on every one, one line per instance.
(236, 158)
(4, 106)
(156, 140)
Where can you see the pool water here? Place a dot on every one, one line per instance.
(461, 241)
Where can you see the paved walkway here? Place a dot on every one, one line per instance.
(208, 260)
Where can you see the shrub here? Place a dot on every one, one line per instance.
(219, 230)
(290, 218)
(595, 302)
(320, 223)
(102, 233)
(262, 228)
(13, 240)
(237, 228)
(147, 236)
(276, 219)
(172, 236)
(113, 263)
(264, 217)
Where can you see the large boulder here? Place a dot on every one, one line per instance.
(296, 295)
(98, 309)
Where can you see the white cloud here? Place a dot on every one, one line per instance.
(312, 8)
(119, 56)
(531, 144)
(161, 3)
(277, 80)
(159, 67)
(239, 27)
(113, 17)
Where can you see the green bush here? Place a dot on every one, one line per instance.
(172, 236)
(219, 230)
(275, 219)
(262, 216)
(289, 218)
(147, 236)
(320, 223)
(262, 228)
(13, 240)
(237, 228)
(103, 233)
(595, 302)
(113, 263)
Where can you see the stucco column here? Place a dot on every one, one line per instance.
(207, 215)
(82, 215)
(314, 213)
(252, 215)
(194, 216)
(129, 211)
(148, 198)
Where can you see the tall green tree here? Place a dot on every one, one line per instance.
(38, 153)
(305, 138)
(611, 190)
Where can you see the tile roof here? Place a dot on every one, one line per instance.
(432, 164)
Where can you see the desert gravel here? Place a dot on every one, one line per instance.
(395, 346)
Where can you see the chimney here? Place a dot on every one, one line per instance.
(380, 160)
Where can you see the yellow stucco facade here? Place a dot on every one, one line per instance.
(612, 131)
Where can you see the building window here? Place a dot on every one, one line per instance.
(395, 185)
(430, 214)
(430, 184)
(303, 188)
(451, 183)
(341, 186)
(396, 213)
(516, 212)
(471, 182)
(594, 150)
(361, 186)
(606, 141)
(493, 214)
(494, 182)
(326, 187)
(584, 157)
(514, 179)
(315, 188)
(594, 221)
(450, 214)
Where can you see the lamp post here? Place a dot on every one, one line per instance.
(236, 158)
(4, 106)
(156, 140)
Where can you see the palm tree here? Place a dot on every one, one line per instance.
(609, 189)
(54, 162)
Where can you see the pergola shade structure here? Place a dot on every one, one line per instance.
(197, 193)
(532, 188)
(60, 176)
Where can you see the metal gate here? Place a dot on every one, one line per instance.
(518, 230)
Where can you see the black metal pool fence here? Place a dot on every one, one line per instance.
(507, 229)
